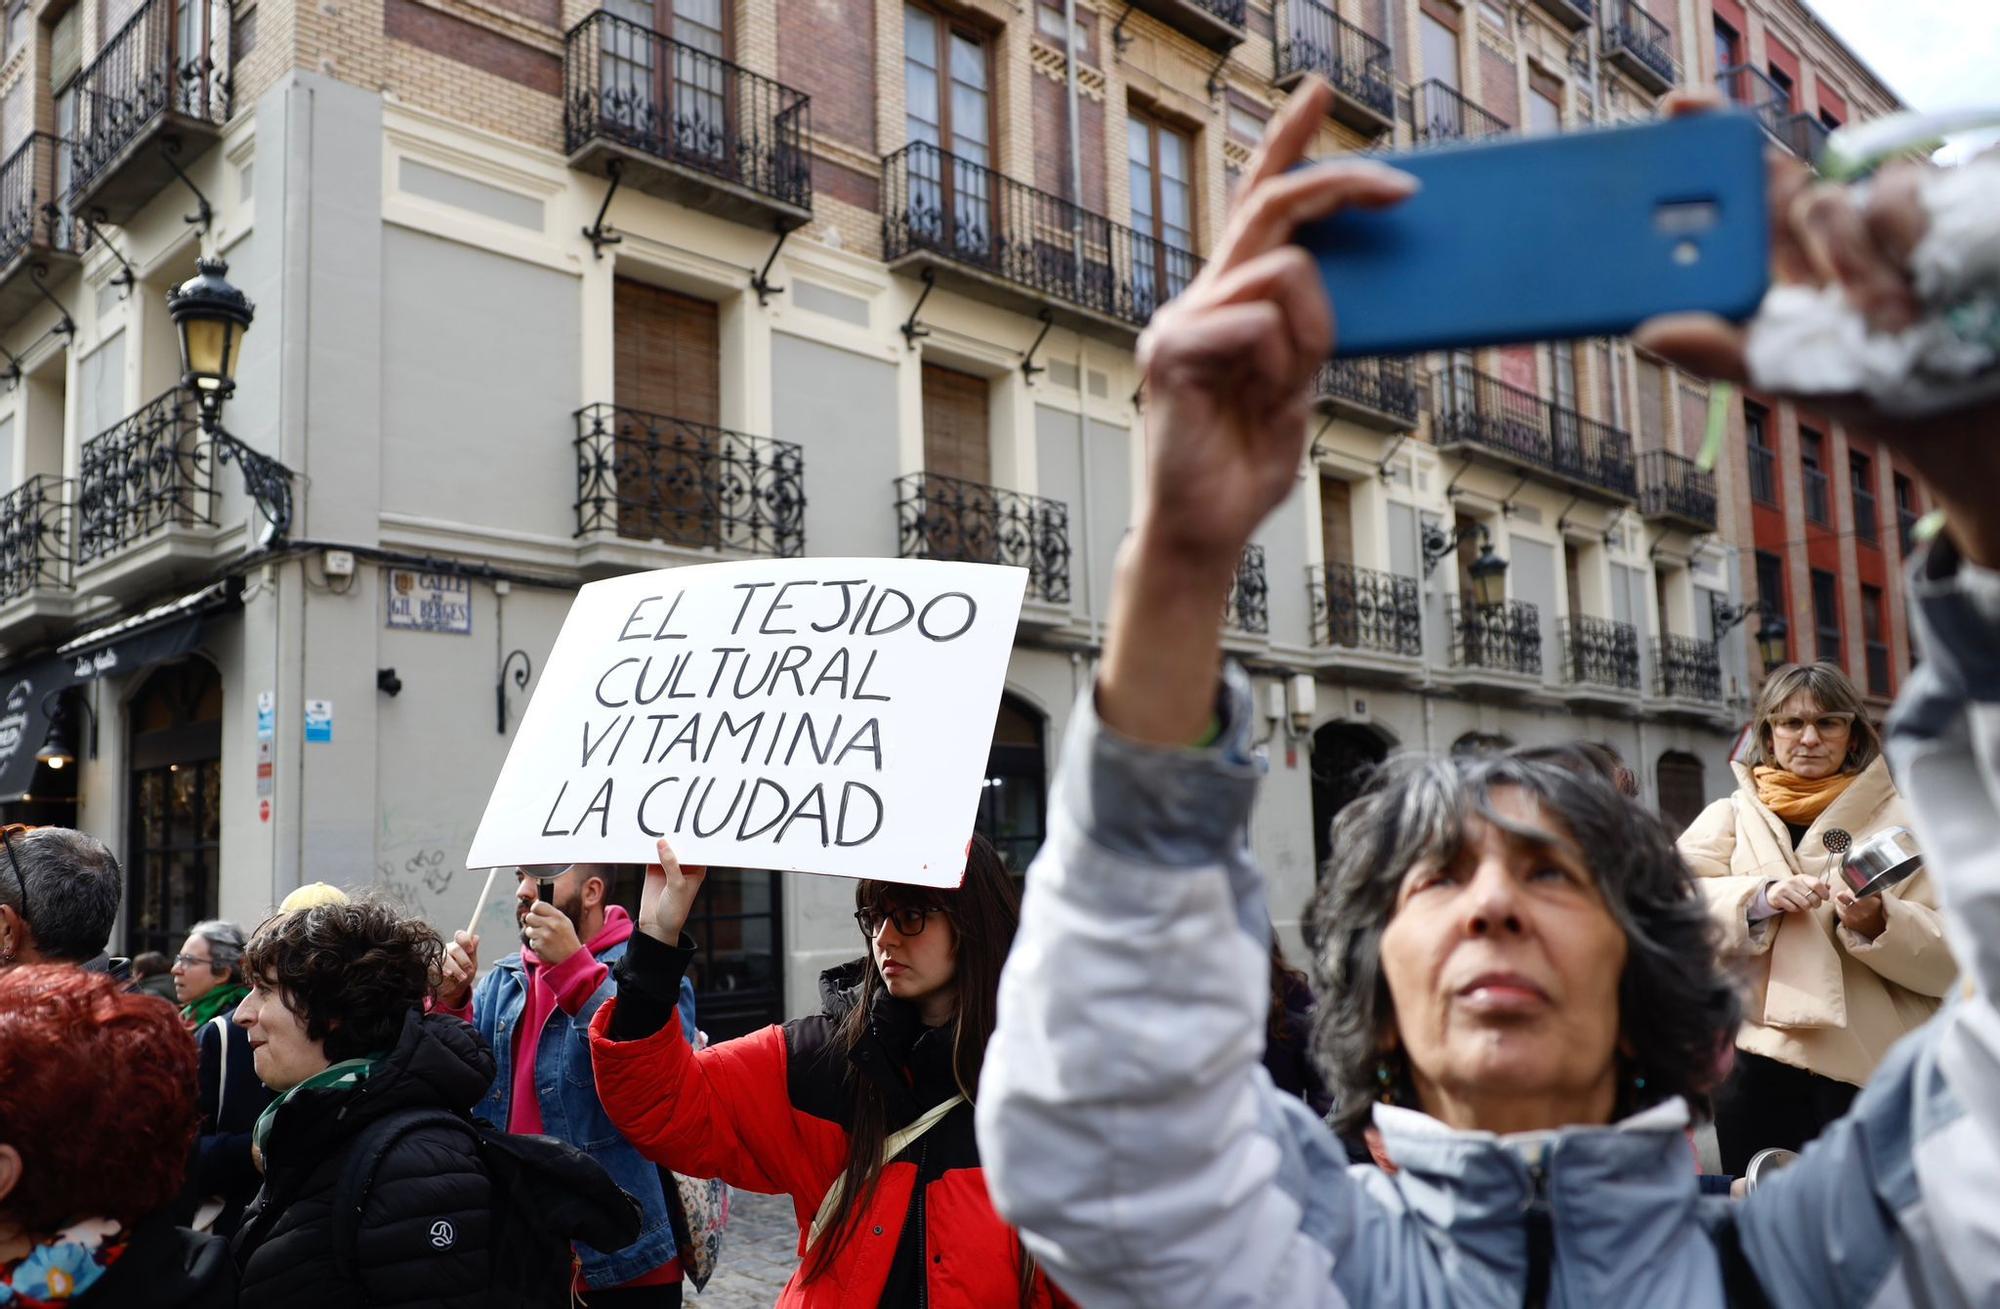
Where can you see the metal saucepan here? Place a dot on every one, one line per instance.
(1880, 861)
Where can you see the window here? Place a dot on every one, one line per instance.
(1875, 638)
(1906, 511)
(174, 844)
(667, 455)
(1771, 587)
(1812, 464)
(1828, 121)
(1763, 461)
(1861, 482)
(1826, 616)
(1727, 44)
(1786, 92)
(955, 439)
(1440, 44)
(1013, 805)
(1162, 163)
(684, 104)
(948, 118)
(1545, 101)
(1562, 373)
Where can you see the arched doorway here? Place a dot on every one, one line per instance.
(174, 836)
(1344, 758)
(1013, 807)
(1683, 793)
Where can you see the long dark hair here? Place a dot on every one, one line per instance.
(984, 911)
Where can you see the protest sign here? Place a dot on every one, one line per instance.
(811, 715)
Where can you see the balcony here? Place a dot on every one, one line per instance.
(647, 480)
(156, 96)
(1217, 24)
(1753, 89)
(1438, 113)
(1687, 673)
(36, 238)
(1355, 63)
(1379, 393)
(1640, 44)
(1805, 136)
(1248, 609)
(1499, 644)
(1814, 482)
(35, 558)
(1366, 619)
(145, 499)
(1763, 474)
(1482, 417)
(1600, 660)
(995, 239)
(939, 517)
(1572, 14)
(1674, 491)
(685, 125)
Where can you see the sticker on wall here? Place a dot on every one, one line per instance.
(263, 811)
(267, 715)
(264, 774)
(319, 720)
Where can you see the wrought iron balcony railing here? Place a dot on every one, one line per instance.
(1671, 486)
(157, 64)
(625, 83)
(1598, 652)
(1642, 40)
(1685, 668)
(1805, 136)
(1321, 41)
(1504, 637)
(649, 477)
(1752, 88)
(1478, 409)
(1570, 13)
(1763, 474)
(971, 215)
(1387, 385)
(150, 472)
(29, 210)
(1814, 481)
(34, 537)
(939, 517)
(1439, 113)
(1248, 608)
(1363, 609)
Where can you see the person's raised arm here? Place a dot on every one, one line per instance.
(1125, 1121)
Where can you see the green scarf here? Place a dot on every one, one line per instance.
(226, 996)
(346, 1073)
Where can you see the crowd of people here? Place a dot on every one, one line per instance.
(1524, 990)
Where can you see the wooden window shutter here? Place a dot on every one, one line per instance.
(668, 456)
(955, 440)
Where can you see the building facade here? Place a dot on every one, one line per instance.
(547, 292)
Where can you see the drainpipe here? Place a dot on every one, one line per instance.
(1070, 61)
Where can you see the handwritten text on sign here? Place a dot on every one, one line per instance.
(815, 715)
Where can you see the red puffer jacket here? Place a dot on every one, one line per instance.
(766, 1113)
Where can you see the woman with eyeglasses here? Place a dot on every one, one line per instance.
(1834, 980)
(861, 1113)
(208, 981)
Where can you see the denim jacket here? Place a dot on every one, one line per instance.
(570, 1110)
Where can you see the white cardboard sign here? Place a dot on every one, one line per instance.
(813, 715)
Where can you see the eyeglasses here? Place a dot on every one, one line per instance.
(192, 960)
(7, 840)
(1825, 725)
(908, 921)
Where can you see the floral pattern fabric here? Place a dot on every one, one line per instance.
(62, 1268)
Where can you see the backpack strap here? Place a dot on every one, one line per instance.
(357, 1178)
(221, 1025)
(895, 1145)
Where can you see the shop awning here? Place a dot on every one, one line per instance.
(28, 692)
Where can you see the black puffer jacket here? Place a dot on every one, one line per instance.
(432, 1177)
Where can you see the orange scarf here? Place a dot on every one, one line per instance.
(1798, 799)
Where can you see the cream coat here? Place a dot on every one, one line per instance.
(1820, 997)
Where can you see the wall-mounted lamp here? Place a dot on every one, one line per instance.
(58, 749)
(388, 683)
(1773, 643)
(1488, 571)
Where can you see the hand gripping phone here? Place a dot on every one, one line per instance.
(1554, 237)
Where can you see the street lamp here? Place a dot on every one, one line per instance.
(211, 316)
(1772, 632)
(1489, 575)
(1771, 643)
(58, 749)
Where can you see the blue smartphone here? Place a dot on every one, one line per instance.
(1553, 237)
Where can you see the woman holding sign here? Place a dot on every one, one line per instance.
(861, 1113)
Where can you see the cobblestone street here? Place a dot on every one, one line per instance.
(757, 1254)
